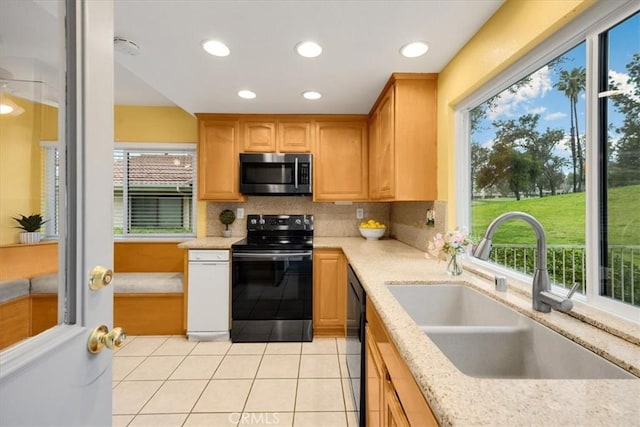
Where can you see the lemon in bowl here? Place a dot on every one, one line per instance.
(372, 230)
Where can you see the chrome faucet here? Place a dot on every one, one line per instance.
(543, 298)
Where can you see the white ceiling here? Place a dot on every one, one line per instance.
(360, 41)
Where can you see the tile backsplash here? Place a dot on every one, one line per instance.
(406, 221)
(330, 220)
(409, 222)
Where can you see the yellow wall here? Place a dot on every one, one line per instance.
(154, 124)
(517, 27)
(20, 163)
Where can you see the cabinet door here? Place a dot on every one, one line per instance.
(259, 136)
(394, 415)
(375, 382)
(294, 137)
(329, 293)
(385, 150)
(341, 161)
(218, 160)
(374, 137)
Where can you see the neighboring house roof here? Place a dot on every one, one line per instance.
(155, 169)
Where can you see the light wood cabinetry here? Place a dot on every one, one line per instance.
(218, 148)
(270, 134)
(375, 386)
(294, 136)
(259, 136)
(329, 292)
(402, 125)
(393, 397)
(341, 160)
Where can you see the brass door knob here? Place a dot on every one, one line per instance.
(101, 337)
(100, 277)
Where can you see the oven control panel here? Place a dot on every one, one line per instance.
(279, 222)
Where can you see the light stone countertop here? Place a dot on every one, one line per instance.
(210, 243)
(461, 400)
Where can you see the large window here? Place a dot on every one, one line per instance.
(153, 190)
(562, 143)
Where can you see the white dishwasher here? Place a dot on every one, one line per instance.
(208, 295)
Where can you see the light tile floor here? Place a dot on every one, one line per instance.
(170, 381)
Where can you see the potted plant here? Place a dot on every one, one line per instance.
(227, 217)
(31, 225)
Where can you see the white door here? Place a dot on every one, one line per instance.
(52, 379)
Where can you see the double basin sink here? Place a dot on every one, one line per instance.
(485, 338)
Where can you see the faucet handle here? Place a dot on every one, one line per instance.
(573, 290)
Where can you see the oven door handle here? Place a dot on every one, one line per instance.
(272, 255)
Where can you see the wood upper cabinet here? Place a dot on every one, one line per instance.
(393, 396)
(259, 136)
(341, 160)
(294, 136)
(218, 148)
(329, 293)
(403, 139)
(382, 160)
(270, 134)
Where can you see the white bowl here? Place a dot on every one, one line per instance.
(372, 233)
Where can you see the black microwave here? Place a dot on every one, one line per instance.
(275, 174)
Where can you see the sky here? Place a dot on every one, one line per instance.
(540, 97)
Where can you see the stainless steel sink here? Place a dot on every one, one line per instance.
(484, 338)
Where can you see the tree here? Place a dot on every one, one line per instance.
(625, 170)
(572, 83)
(479, 158)
(506, 166)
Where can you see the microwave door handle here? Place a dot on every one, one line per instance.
(295, 173)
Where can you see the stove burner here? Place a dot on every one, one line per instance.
(287, 232)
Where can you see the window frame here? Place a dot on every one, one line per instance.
(154, 147)
(586, 27)
(48, 184)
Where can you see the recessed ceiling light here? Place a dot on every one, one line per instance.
(6, 109)
(312, 95)
(216, 48)
(246, 94)
(414, 49)
(309, 49)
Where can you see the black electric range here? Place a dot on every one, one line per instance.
(272, 280)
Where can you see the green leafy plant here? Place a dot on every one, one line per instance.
(30, 223)
(227, 217)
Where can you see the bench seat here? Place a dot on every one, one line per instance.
(13, 289)
(15, 313)
(143, 303)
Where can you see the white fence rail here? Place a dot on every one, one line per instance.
(567, 265)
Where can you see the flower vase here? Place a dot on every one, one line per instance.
(454, 265)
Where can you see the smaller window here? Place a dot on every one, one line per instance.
(153, 192)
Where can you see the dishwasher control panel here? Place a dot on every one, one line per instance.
(208, 255)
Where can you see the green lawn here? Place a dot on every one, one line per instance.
(562, 216)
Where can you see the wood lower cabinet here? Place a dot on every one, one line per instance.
(218, 160)
(402, 127)
(393, 396)
(329, 293)
(375, 387)
(340, 161)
